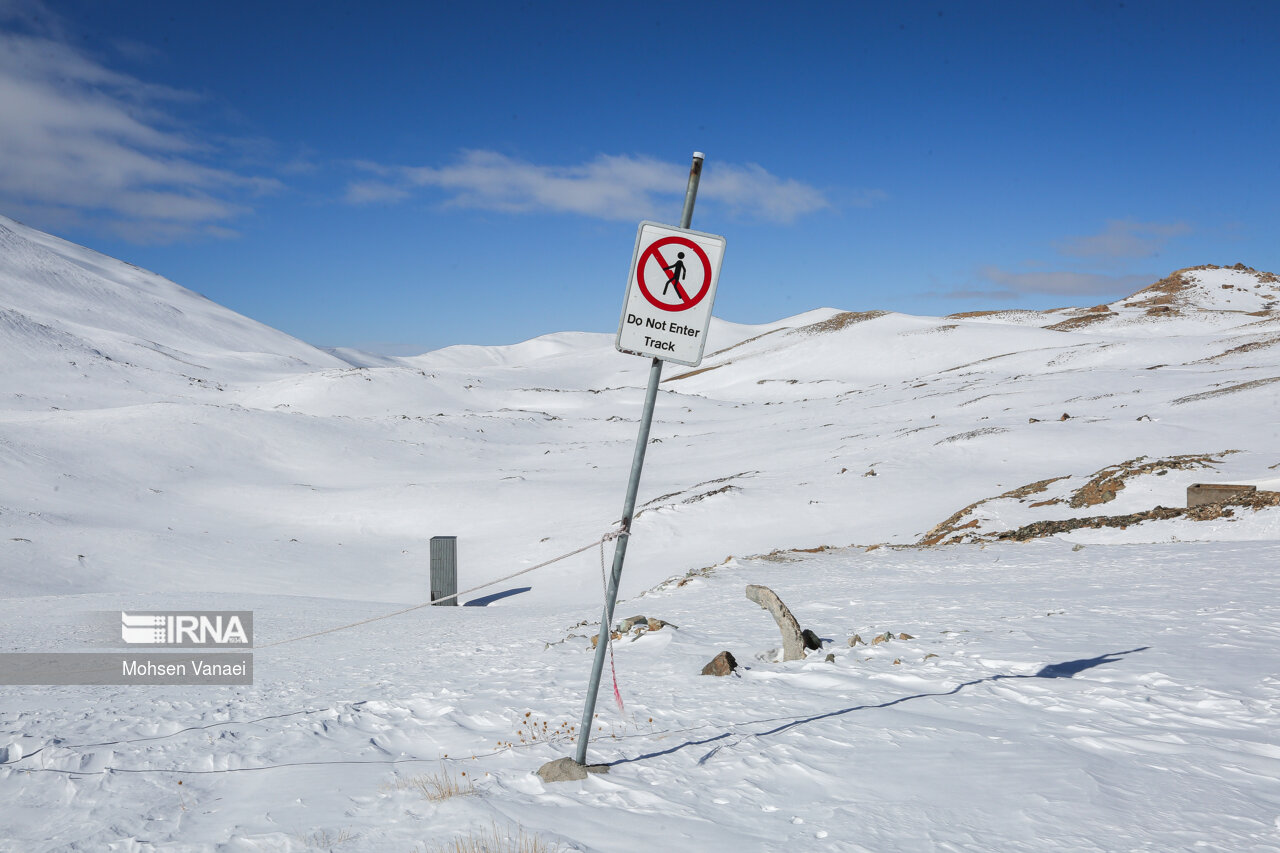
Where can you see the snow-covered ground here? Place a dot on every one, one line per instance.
(1110, 688)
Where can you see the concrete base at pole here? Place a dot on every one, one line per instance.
(568, 770)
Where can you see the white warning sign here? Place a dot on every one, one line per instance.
(670, 291)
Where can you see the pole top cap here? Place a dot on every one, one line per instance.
(698, 155)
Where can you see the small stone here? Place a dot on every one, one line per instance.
(655, 624)
(1077, 547)
(811, 640)
(1033, 420)
(595, 640)
(871, 473)
(881, 638)
(897, 662)
(721, 664)
(831, 658)
(856, 640)
(905, 637)
(568, 770)
(930, 655)
(1065, 417)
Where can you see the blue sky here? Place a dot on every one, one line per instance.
(413, 175)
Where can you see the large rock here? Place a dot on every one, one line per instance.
(792, 637)
(627, 624)
(721, 664)
(568, 770)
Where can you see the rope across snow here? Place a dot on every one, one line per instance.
(612, 534)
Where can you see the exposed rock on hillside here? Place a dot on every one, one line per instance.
(1205, 512)
(1209, 287)
(1101, 487)
(840, 321)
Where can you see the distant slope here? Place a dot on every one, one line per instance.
(94, 327)
(150, 439)
(1210, 288)
(1188, 300)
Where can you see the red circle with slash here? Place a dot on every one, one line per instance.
(655, 251)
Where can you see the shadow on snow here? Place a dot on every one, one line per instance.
(486, 600)
(1066, 669)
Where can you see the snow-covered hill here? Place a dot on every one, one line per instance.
(80, 330)
(157, 450)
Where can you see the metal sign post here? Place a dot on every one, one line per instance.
(642, 440)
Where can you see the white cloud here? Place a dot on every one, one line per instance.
(370, 192)
(95, 144)
(1123, 238)
(608, 187)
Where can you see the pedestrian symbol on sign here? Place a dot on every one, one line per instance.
(676, 276)
(667, 310)
(652, 267)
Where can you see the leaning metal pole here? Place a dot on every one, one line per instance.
(629, 505)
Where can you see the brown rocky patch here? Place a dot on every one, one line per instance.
(1163, 292)
(1230, 389)
(1166, 292)
(965, 315)
(948, 527)
(1080, 321)
(744, 343)
(1103, 486)
(696, 372)
(1249, 347)
(1205, 512)
(840, 321)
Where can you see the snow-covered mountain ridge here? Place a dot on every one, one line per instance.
(1088, 686)
(145, 422)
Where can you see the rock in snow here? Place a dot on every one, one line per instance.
(722, 664)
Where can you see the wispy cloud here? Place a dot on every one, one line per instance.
(371, 192)
(1106, 258)
(608, 187)
(1065, 283)
(1123, 238)
(82, 143)
(977, 294)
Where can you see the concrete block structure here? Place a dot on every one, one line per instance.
(444, 568)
